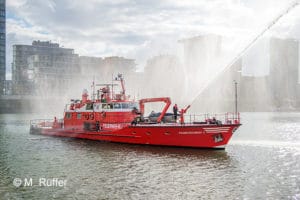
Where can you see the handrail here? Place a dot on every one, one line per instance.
(38, 123)
(224, 118)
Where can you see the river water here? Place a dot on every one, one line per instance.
(262, 161)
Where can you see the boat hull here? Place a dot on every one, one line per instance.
(196, 136)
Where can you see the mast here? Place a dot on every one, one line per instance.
(112, 86)
(122, 85)
(93, 88)
(235, 94)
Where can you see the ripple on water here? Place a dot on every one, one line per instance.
(256, 165)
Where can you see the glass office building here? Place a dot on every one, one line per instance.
(2, 46)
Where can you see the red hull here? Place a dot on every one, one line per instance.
(191, 135)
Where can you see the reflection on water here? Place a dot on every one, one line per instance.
(253, 166)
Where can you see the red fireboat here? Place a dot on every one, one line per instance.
(113, 117)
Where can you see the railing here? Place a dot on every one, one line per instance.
(41, 123)
(225, 118)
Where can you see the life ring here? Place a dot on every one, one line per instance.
(91, 116)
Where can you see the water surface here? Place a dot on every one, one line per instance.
(262, 161)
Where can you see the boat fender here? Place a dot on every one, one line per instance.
(92, 116)
(87, 116)
(103, 114)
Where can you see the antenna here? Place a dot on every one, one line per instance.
(112, 86)
(93, 87)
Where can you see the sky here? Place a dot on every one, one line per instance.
(140, 29)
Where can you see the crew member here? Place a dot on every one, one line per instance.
(175, 110)
(97, 126)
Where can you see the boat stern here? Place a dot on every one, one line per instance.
(38, 125)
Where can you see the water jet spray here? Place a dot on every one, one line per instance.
(246, 48)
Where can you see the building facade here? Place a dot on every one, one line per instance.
(201, 54)
(91, 67)
(102, 69)
(53, 74)
(45, 69)
(115, 64)
(39, 64)
(163, 77)
(284, 71)
(2, 47)
(270, 84)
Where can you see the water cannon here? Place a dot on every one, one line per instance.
(122, 93)
(182, 112)
(120, 76)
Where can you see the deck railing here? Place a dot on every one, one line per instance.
(45, 123)
(224, 118)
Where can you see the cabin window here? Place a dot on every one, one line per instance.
(89, 106)
(133, 105)
(107, 106)
(117, 106)
(78, 115)
(68, 115)
(125, 105)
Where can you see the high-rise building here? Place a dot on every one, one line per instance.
(256, 60)
(37, 64)
(269, 79)
(91, 67)
(2, 47)
(201, 53)
(45, 68)
(53, 74)
(116, 64)
(162, 77)
(201, 57)
(284, 72)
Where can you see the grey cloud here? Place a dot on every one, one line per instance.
(131, 24)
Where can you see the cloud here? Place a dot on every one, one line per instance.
(138, 29)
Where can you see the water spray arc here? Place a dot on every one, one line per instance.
(246, 48)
